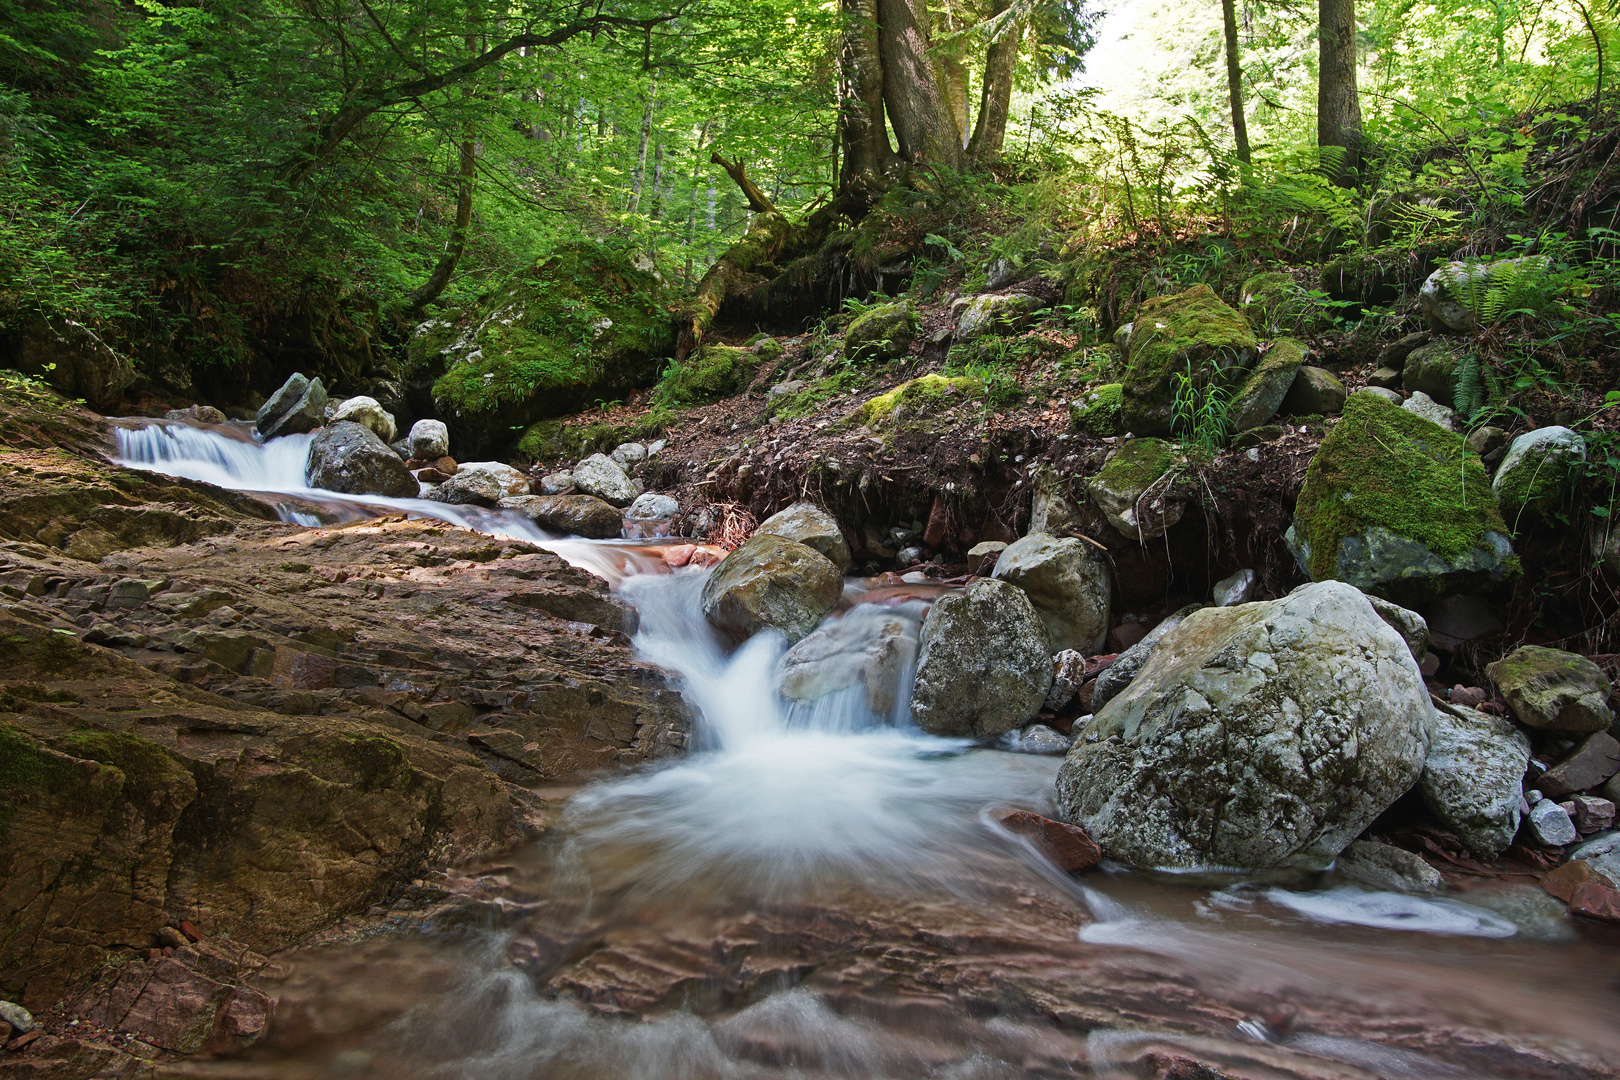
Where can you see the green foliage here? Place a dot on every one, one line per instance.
(556, 440)
(1200, 410)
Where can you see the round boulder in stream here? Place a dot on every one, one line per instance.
(985, 665)
(771, 583)
(1258, 736)
(571, 515)
(1067, 582)
(812, 526)
(348, 458)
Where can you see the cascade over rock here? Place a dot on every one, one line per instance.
(771, 583)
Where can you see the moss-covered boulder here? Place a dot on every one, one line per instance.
(1396, 506)
(711, 373)
(997, 313)
(1258, 399)
(1119, 486)
(1274, 302)
(1554, 690)
(1192, 333)
(1534, 476)
(1097, 412)
(584, 324)
(1432, 369)
(881, 333)
(917, 397)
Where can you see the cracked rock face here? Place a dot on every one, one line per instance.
(1258, 736)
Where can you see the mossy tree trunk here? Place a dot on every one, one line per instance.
(1234, 80)
(1338, 107)
(911, 91)
(995, 102)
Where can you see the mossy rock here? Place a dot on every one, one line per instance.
(919, 396)
(1120, 483)
(1397, 506)
(585, 324)
(1098, 411)
(711, 373)
(1361, 278)
(1190, 332)
(1273, 301)
(881, 333)
(1535, 477)
(1262, 393)
(1432, 369)
(557, 440)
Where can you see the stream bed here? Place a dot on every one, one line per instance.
(824, 892)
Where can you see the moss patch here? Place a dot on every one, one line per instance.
(1137, 464)
(1383, 466)
(884, 332)
(552, 440)
(1171, 334)
(583, 324)
(711, 373)
(1098, 412)
(920, 395)
(813, 397)
(26, 771)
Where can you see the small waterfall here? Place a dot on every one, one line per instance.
(239, 463)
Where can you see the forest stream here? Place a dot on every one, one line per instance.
(825, 892)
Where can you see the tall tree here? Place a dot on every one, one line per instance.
(860, 95)
(923, 125)
(995, 101)
(1338, 108)
(1234, 80)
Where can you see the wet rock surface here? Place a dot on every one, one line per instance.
(985, 665)
(771, 583)
(191, 697)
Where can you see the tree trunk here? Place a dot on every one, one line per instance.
(950, 62)
(1234, 80)
(860, 94)
(691, 206)
(995, 102)
(436, 282)
(657, 209)
(911, 93)
(640, 173)
(758, 201)
(1338, 109)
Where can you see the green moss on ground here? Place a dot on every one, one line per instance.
(711, 373)
(922, 395)
(816, 395)
(584, 324)
(1098, 412)
(1384, 466)
(884, 332)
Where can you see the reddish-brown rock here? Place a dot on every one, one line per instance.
(1594, 901)
(1067, 845)
(1564, 880)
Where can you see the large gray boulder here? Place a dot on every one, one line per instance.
(872, 647)
(570, 515)
(511, 481)
(1129, 664)
(771, 583)
(469, 489)
(1534, 476)
(1553, 690)
(1264, 735)
(348, 458)
(368, 413)
(985, 664)
(1473, 778)
(299, 406)
(1261, 394)
(72, 358)
(429, 440)
(600, 475)
(1068, 582)
(813, 527)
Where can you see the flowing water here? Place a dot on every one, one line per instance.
(824, 892)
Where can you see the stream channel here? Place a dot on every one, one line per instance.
(823, 892)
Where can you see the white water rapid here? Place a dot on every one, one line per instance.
(823, 892)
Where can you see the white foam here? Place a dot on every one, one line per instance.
(1393, 911)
